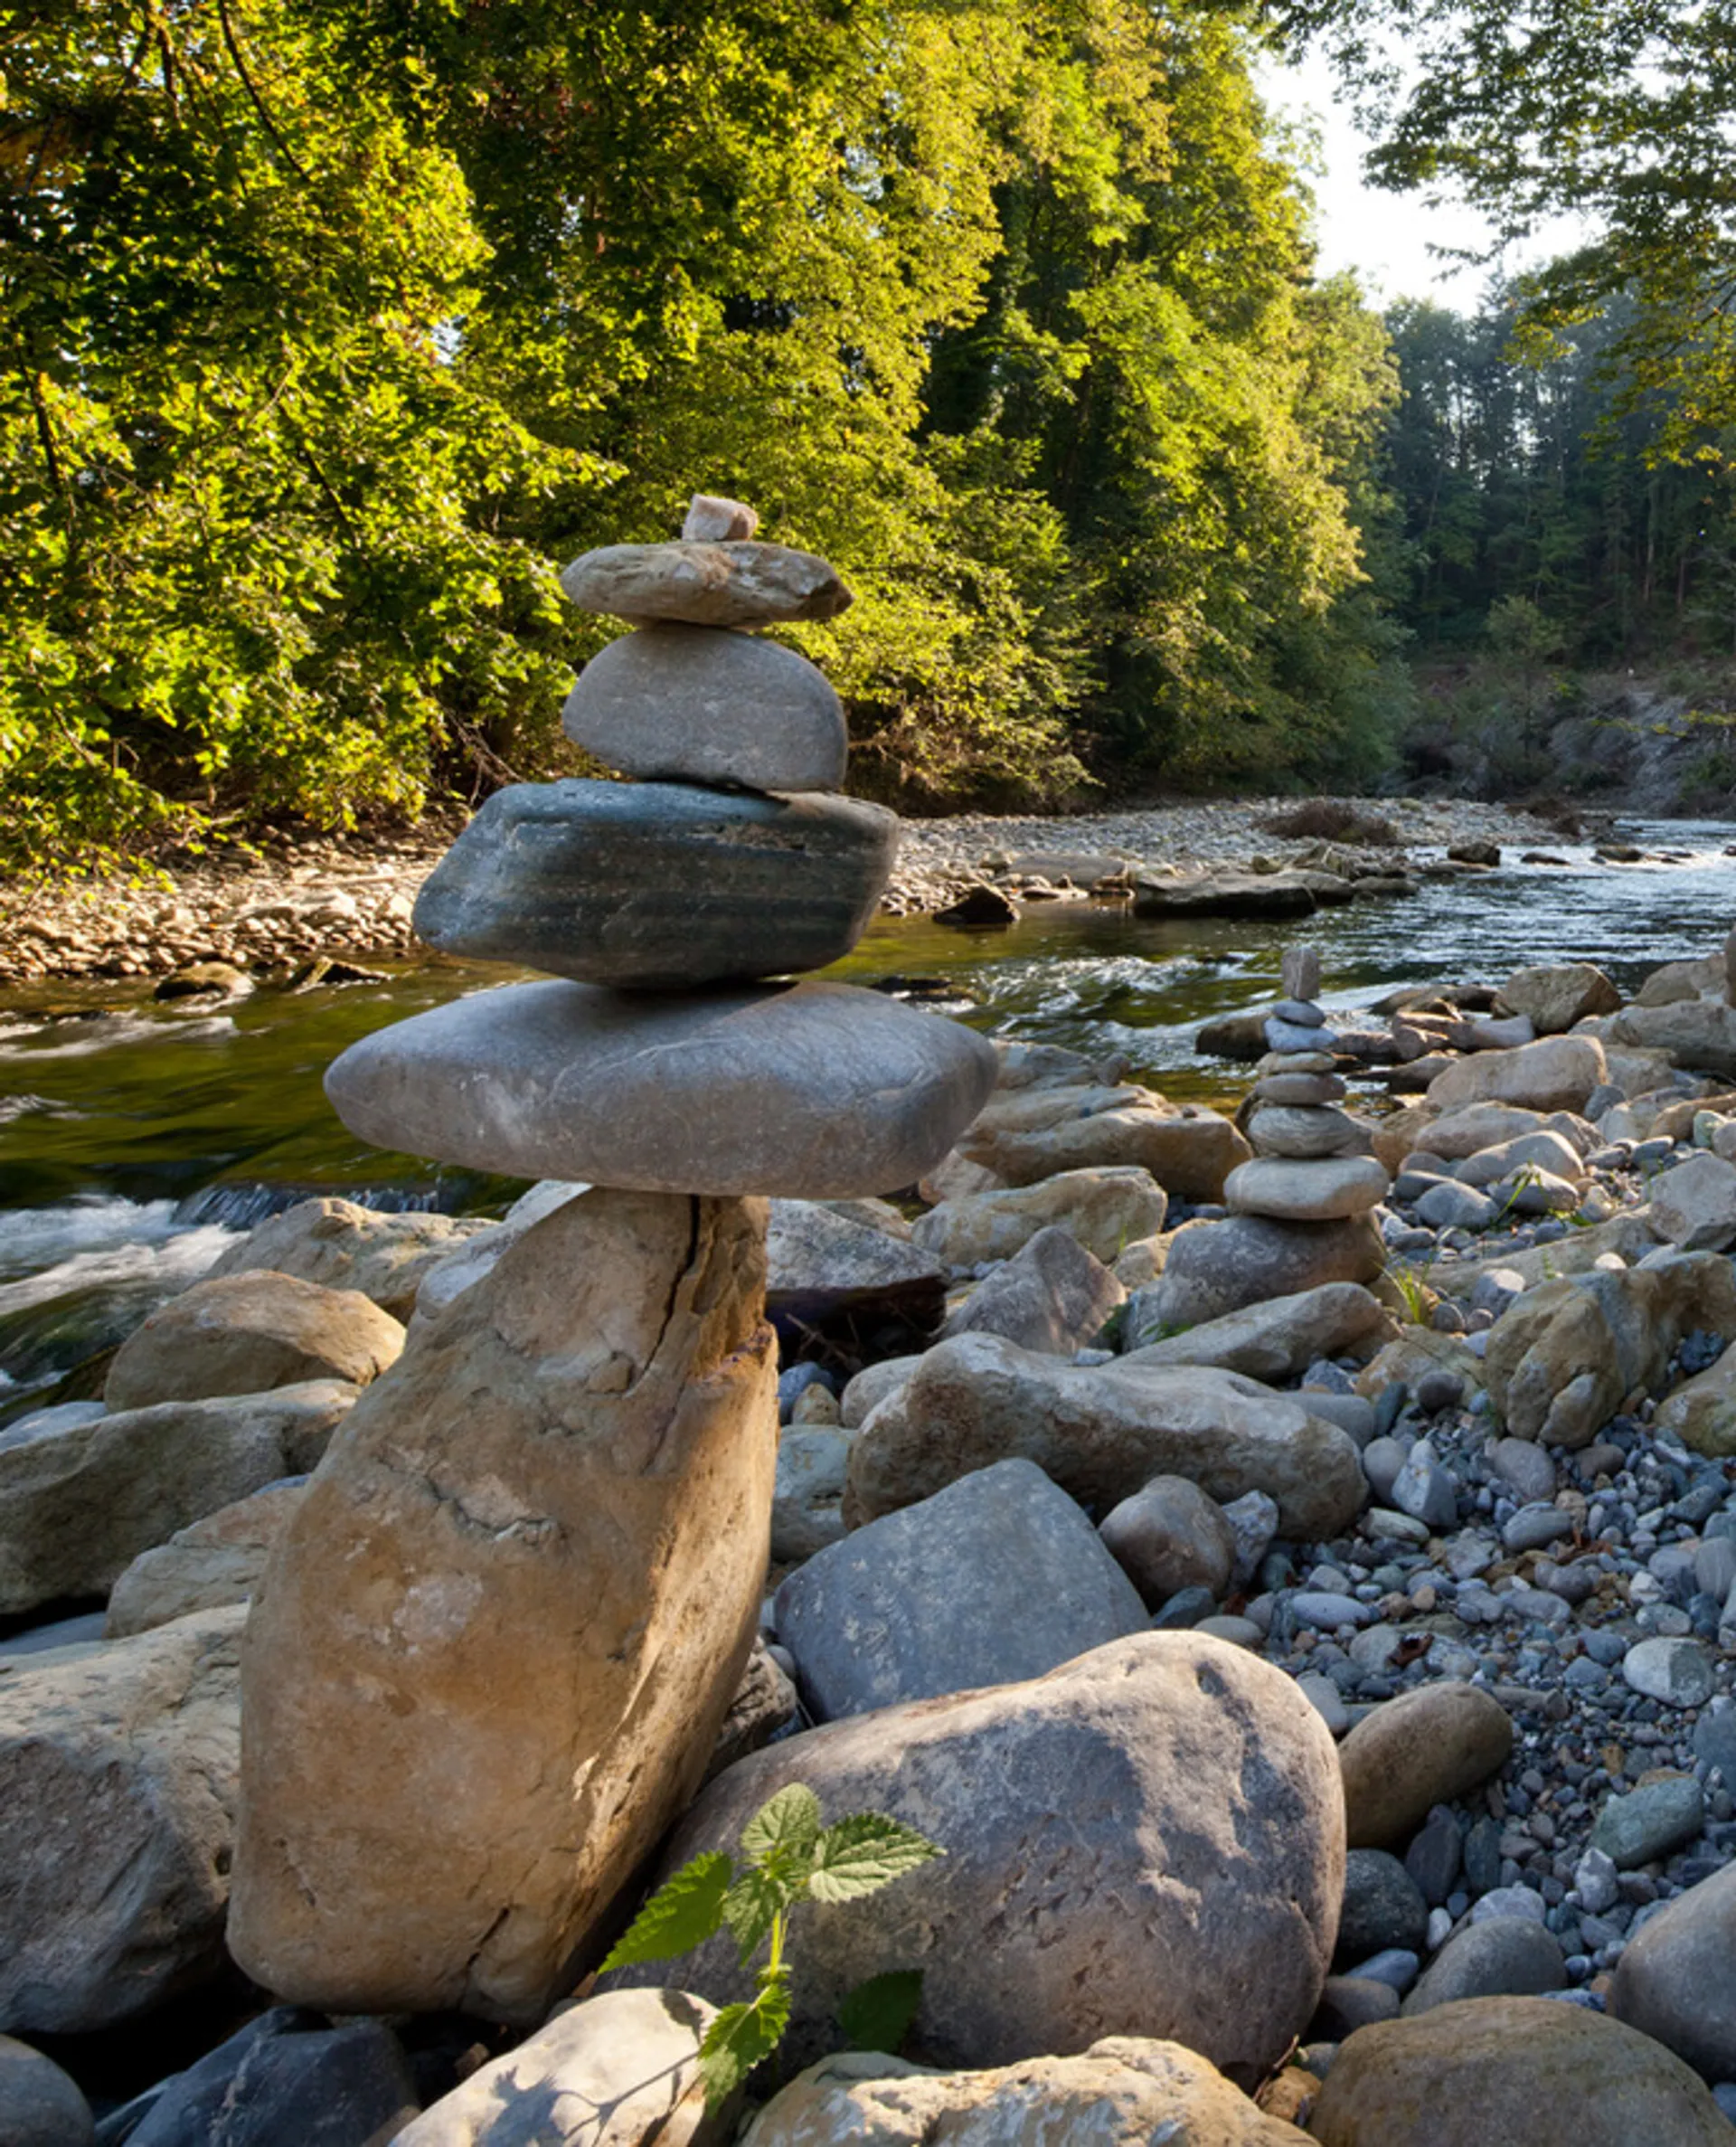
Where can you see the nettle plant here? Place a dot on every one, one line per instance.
(788, 1858)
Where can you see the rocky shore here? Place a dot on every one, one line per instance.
(350, 898)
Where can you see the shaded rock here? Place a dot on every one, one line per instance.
(78, 1506)
(1694, 1205)
(1052, 1297)
(1382, 1908)
(691, 703)
(40, 2104)
(1699, 1033)
(809, 1091)
(658, 885)
(1649, 1822)
(1673, 1980)
(213, 1562)
(1273, 1339)
(1424, 1748)
(288, 2075)
(808, 1501)
(1169, 1536)
(341, 1247)
(740, 582)
(116, 1815)
(998, 1578)
(1554, 996)
(1528, 2070)
(1215, 1268)
(1228, 895)
(245, 1334)
(1101, 1431)
(1104, 1210)
(1187, 1149)
(1555, 1073)
(870, 1388)
(822, 1268)
(1144, 1842)
(421, 1827)
(1702, 1412)
(1677, 1672)
(765, 1701)
(981, 903)
(1316, 1192)
(1123, 2091)
(1504, 1956)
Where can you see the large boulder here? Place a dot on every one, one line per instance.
(1560, 1362)
(822, 1266)
(1033, 1133)
(1101, 1431)
(1215, 1268)
(1694, 1204)
(1273, 1339)
(78, 1505)
(248, 1333)
(341, 1247)
(1527, 2070)
(1555, 1073)
(995, 1579)
(117, 1782)
(1147, 1841)
(1698, 1034)
(734, 582)
(1126, 2091)
(1104, 1210)
(1555, 995)
(1051, 1295)
(215, 1561)
(287, 2075)
(1457, 1135)
(1673, 1980)
(490, 1657)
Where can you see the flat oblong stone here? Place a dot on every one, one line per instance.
(658, 885)
(699, 704)
(740, 582)
(807, 1092)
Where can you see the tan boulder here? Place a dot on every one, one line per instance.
(1554, 1074)
(1693, 1204)
(1100, 1432)
(1211, 1269)
(1555, 995)
(1674, 981)
(1125, 2090)
(118, 1775)
(1411, 1355)
(342, 1246)
(1697, 1034)
(215, 1561)
(248, 1333)
(1104, 1210)
(1278, 1339)
(490, 1658)
(1529, 2071)
(1421, 1749)
(1702, 1412)
(1032, 1134)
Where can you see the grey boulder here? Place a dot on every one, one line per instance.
(1273, 1339)
(733, 583)
(1215, 1268)
(1673, 1980)
(1052, 1296)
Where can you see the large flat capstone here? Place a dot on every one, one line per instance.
(736, 584)
(658, 885)
(805, 1091)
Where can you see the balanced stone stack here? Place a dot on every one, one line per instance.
(488, 1660)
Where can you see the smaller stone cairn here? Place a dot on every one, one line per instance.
(488, 1659)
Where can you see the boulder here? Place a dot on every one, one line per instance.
(1147, 1842)
(807, 1499)
(491, 1655)
(287, 2075)
(1625, 1235)
(78, 1505)
(1534, 1153)
(1100, 1432)
(465, 1265)
(810, 1091)
(117, 1773)
(1673, 1980)
(1187, 1149)
(1215, 1268)
(1562, 1361)
(1304, 1130)
(1505, 1956)
(823, 1267)
(40, 2104)
(1698, 1034)
(1702, 1412)
(1555, 995)
(658, 885)
(733, 583)
(1229, 895)
(1275, 1339)
(1105, 1210)
(1455, 1136)
(1324, 1191)
(213, 1562)
(340, 1246)
(765, 1702)
(1125, 2090)
(619, 2070)
(1555, 1073)
(1421, 1749)
(1169, 1536)
(1527, 2070)
(994, 1580)
(696, 705)
(1052, 1297)
(247, 1334)
(1694, 1204)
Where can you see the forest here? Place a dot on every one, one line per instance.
(330, 329)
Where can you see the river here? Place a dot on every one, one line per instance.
(136, 1139)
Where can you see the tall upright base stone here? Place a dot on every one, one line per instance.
(488, 1661)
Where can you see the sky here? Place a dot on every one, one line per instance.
(1386, 237)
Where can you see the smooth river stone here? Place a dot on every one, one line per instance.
(1321, 1192)
(658, 887)
(1306, 1132)
(810, 1091)
(738, 583)
(698, 705)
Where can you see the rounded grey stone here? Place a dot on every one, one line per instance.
(696, 704)
(658, 885)
(809, 1091)
(1507, 1956)
(40, 2104)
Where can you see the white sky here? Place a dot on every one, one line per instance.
(1386, 237)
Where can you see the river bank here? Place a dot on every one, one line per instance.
(349, 897)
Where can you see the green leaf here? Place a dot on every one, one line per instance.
(877, 2015)
(864, 1853)
(683, 1913)
(753, 1905)
(739, 2036)
(786, 1823)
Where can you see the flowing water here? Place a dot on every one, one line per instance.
(136, 1139)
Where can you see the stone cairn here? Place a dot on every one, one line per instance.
(488, 1663)
(1311, 1164)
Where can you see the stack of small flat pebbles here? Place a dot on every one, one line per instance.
(667, 1059)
